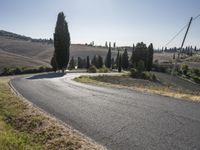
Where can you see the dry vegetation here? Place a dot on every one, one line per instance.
(140, 85)
(23, 126)
(15, 52)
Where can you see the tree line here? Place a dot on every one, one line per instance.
(141, 57)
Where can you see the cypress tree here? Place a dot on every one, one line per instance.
(125, 62)
(114, 45)
(88, 62)
(72, 63)
(120, 63)
(117, 59)
(141, 53)
(108, 58)
(106, 44)
(150, 57)
(113, 63)
(100, 62)
(95, 61)
(80, 62)
(132, 59)
(61, 42)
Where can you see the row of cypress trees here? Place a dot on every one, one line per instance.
(140, 53)
(61, 54)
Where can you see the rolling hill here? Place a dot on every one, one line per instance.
(17, 50)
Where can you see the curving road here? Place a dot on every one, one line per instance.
(119, 119)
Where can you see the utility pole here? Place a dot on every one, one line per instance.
(180, 50)
(186, 34)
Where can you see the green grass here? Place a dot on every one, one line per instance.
(10, 108)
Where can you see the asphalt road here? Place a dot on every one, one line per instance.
(119, 119)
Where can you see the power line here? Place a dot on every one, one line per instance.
(196, 17)
(180, 31)
(176, 35)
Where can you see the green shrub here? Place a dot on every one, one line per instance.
(24, 70)
(146, 75)
(134, 73)
(183, 69)
(141, 66)
(92, 69)
(103, 70)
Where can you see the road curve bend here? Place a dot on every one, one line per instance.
(119, 119)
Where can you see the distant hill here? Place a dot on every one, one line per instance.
(18, 50)
(13, 35)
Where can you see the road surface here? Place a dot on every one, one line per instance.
(119, 119)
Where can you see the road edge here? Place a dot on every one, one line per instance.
(52, 117)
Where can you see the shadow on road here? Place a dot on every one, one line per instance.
(47, 75)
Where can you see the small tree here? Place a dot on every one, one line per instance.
(72, 63)
(106, 44)
(114, 45)
(132, 59)
(117, 59)
(108, 59)
(150, 57)
(125, 62)
(100, 62)
(88, 62)
(120, 63)
(95, 61)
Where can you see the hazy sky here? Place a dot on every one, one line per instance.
(123, 21)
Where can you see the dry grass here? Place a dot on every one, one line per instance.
(15, 52)
(140, 85)
(23, 126)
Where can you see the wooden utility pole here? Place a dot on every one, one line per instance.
(180, 50)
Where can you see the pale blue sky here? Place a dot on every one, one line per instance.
(122, 21)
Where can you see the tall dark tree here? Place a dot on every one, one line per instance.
(82, 63)
(100, 62)
(132, 59)
(150, 57)
(110, 44)
(72, 63)
(61, 42)
(108, 59)
(125, 61)
(112, 63)
(95, 61)
(88, 62)
(141, 53)
(120, 63)
(106, 44)
(117, 59)
(114, 45)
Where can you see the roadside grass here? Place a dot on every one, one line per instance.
(24, 127)
(125, 81)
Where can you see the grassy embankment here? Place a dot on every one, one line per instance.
(23, 127)
(141, 85)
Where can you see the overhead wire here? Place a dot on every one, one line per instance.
(177, 34)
